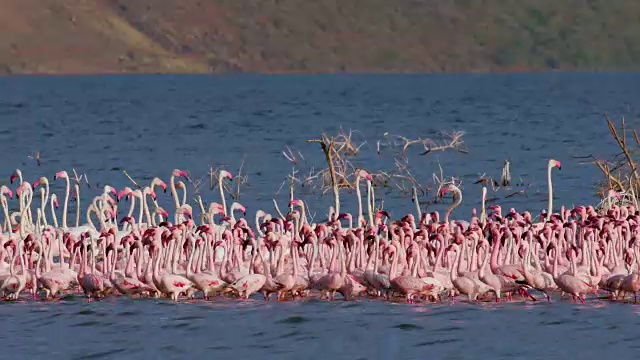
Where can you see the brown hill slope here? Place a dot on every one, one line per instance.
(80, 36)
(98, 36)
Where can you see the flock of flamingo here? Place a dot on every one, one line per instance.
(492, 257)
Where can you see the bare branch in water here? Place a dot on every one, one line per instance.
(523, 191)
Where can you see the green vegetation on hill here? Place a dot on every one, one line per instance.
(99, 36)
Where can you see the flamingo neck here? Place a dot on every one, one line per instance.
(174, 194)
(550, 186)
(66, 205)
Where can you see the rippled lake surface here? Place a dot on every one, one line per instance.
(149, 125)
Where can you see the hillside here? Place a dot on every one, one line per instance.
(107, 36)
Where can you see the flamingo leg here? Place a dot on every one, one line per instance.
(530, 296)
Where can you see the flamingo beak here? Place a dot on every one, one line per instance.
(36, 183)
(13, 177)
(115, 193)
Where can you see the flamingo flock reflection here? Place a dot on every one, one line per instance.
(151, 253)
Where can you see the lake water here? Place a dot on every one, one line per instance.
(149, 125)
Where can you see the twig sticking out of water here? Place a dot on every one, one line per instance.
(328, 147)
(240, 179)
(197, 183)
(505, 179)
(131, 179)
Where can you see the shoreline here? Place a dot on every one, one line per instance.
(316, 73)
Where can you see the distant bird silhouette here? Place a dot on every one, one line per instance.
(486, 181)
(36, 157)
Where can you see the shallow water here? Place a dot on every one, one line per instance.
(150, 125)
(314, 329)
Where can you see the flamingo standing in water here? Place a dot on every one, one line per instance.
(408, 285)
(464, 284)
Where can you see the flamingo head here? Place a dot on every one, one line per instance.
(110, 189)
(179, 173)
(60, 175)
(381, 213)
(238, 206)
(162, 212)
(42, 180)
(613, 194)
(124, 192)
(186, 211)
(444, 190)
(22, 188)
(555, 163)
(296, 202)
(365, 174)
(158, 182)
(344, 216)
(5, 190)
(225, 174)
(217, 208)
